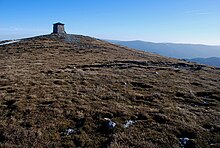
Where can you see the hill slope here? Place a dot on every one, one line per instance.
(70, 91)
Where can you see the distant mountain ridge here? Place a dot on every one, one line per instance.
(209, 55)
(174, 50)
(212, 61)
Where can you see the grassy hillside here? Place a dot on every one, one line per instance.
(77, 91)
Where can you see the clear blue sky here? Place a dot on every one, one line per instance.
(182, 21)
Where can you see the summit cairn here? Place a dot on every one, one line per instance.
(58, 28)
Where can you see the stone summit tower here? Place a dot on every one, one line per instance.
(58, 28)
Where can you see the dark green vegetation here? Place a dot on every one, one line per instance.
(50, 84)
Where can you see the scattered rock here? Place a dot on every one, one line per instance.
(183, 142)
(69, 131)
(128, 123)
(124, 83)
(186, 143)
(109, 124)
(205, 103)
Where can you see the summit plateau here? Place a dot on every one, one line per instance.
(62, 90)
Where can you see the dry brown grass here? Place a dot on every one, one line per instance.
(48, 85)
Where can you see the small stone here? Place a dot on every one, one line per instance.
(128, 123)
(69, 131)
(183, 141)
(205, 103)
(110, 124)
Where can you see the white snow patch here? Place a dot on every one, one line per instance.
(10, 42)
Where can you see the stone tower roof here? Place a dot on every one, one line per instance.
(59, 23)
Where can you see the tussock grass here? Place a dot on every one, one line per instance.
(48, 85)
